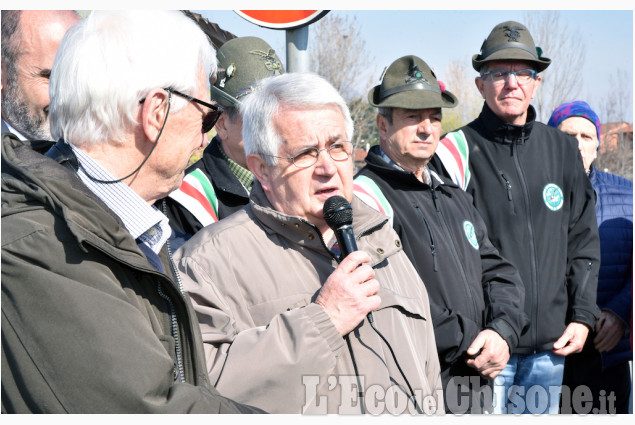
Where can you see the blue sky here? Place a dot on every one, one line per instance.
(437, 36)
(440, 37)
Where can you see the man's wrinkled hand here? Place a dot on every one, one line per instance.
(491, 353)
(350, 292)
(610, 329)
(572, 340)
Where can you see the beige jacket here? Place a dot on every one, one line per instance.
(252, 278)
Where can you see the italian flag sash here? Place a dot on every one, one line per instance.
(368, 191)
(454, 153)
(197, 195)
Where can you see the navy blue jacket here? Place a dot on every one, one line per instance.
(614, 210)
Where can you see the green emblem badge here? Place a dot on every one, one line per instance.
(470, 233)
(271, 61)
(415, 76)
(553, 197)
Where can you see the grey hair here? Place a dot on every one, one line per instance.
(386, 113)
(11, 36)
(297, 90)
(231, 112)
(111, 60)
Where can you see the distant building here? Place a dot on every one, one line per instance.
(616, 149)
(614, 134)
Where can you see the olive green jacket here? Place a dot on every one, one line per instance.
(88, 325)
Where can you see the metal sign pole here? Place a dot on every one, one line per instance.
(297, 49)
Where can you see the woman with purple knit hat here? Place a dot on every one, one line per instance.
(602, 365)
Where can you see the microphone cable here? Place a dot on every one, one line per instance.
(412, 397)
(360, 390)
(338, 214)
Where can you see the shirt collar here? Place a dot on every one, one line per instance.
(426, 172)
(244, 176)
(144, 222)
(15, 132)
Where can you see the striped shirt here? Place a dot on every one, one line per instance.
(144, 221)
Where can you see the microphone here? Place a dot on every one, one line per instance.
(338, 214)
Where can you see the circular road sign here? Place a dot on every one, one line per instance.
(282, 19)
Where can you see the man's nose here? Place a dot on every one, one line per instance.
(425, 126)
(512, 81)
(324, 163)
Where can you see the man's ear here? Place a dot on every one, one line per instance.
(382, 126)
(260, 169)
(479, 85)
(221, 126)
(153, 111)
(536, 85)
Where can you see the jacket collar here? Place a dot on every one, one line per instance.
(498, 131)
(302, 232)
(376, 162)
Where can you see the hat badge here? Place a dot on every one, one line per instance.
(415, 75)
(512, 32)
(271, 62)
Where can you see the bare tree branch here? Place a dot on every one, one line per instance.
(338, 53)
(616, 149)
(562, 81)
(460, 81)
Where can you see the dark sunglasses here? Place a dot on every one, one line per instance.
(209, 120)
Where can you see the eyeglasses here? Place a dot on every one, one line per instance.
(209, 119)
(500, 76)
(338, 151)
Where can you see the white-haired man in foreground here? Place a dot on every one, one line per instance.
(93, 317)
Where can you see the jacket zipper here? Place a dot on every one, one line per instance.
(175, 330)
(585, 282)
(508, 186)
(532, 248)
(433, 247)
(446, 229)
(173, 320)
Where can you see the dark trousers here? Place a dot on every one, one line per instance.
(608, 389)
(464, 391)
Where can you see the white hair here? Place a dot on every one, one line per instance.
(295, 90)
(111, 60)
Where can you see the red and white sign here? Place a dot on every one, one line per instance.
(282, 19)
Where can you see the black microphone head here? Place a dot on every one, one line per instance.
(338, 212)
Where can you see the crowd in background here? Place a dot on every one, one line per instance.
(486, 270)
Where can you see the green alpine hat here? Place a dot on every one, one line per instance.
(510, 41)
(242, 62)
(409, 83)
